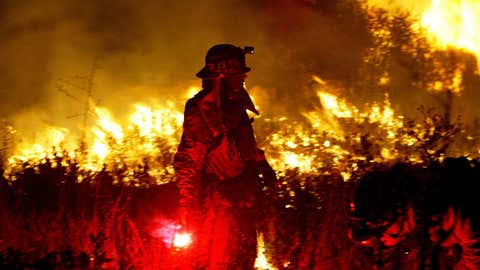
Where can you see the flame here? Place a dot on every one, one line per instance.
(449, 80)
(440, 30)
(337, 136)
(261, 261)
(149, 132)
(100, 149)
(46, 140)
(156, 122)
(301, 161)
(454, 23)
(332, 135)
(333, 105)
(108, 124)
(451, 23)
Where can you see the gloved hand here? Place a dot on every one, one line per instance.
(185, 219)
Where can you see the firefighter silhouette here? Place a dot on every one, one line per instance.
(218, 166)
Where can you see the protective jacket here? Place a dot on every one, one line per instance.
(217, 145)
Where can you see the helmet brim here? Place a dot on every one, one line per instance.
(206, 73)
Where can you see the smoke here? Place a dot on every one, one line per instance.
(158, 46)
(415, 6)
(138, 50)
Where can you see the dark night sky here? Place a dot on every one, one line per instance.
(151, 48)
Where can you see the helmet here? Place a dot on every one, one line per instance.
(224, 59)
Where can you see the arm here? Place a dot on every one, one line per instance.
(189, 162)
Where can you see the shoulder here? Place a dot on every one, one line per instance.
(192, 105)
(194, 124)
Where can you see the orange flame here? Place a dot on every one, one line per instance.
(332, 137)
(454, 23)
(261, 261)
(149, 132)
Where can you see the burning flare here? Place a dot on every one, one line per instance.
(182, 240)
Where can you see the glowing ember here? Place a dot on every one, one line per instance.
(182, 240)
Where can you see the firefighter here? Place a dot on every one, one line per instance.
(218, 167)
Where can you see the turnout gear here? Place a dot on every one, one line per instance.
(218, 164)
